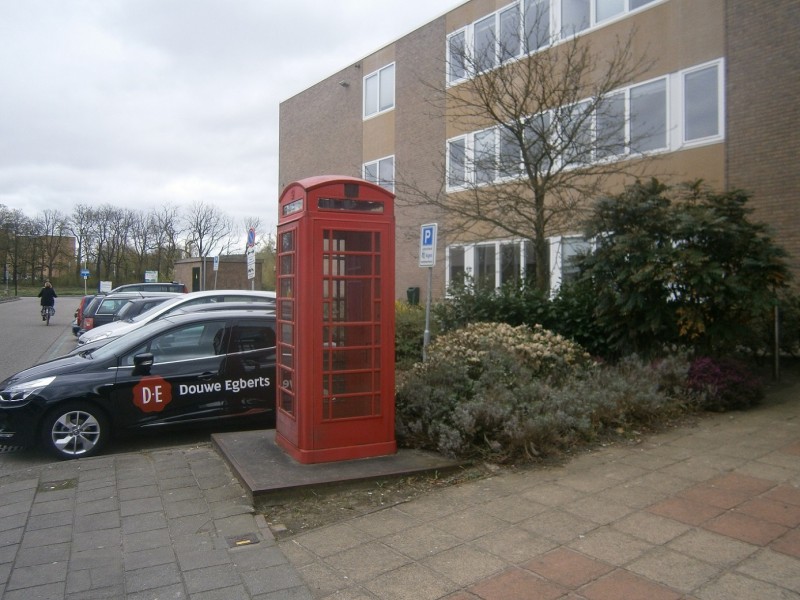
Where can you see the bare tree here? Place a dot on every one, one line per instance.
(141, 241)
(548, 127)
(166, 231)
(52, 227)
(207, 229)
(80, 226)
(17, 229)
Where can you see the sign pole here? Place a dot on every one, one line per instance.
(427, 258)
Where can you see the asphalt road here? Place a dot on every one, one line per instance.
(26, 341)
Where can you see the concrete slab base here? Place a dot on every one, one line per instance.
(268, 473)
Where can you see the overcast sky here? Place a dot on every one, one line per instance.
(138, 103)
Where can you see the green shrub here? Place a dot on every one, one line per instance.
(514, 303)
(408, 334)
(506, 393)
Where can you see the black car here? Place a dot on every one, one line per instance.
(136, 306)
(203, 368)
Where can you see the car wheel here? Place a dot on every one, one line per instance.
(75, 430)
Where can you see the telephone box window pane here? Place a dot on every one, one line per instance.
(287, 283)
(287, 391)
(287, 264)
(344, 408)
(370, 206)
(287, 241)
(286, 310)
(287, 356)
(286, 333)
(348, 360)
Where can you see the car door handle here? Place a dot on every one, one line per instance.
(206, 376)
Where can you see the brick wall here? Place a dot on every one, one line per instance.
(763, 84)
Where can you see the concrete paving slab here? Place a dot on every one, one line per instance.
(266, 471)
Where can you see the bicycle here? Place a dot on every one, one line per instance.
(47, 312)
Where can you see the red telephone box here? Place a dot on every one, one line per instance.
(335, 318)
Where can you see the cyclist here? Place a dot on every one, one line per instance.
(48, 299)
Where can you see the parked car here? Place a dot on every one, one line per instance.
(102, 308)
(136, 306)
(87, 320)
(176, 287)
(110, 305)
(191, 369)
(76, 323)
(117, 328)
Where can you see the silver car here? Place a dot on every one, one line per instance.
(115, 329)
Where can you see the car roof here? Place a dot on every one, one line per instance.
(221, 306)
(166, 322)
(142, 294)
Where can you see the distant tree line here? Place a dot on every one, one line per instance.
(117, 244)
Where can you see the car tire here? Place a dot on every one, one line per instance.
(75, 430)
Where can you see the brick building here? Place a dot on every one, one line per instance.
(716, 90)
(231, 274)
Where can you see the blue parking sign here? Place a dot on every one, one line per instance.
(427, 245)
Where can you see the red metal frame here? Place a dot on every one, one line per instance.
(335, 320)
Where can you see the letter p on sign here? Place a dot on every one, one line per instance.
(427, 245)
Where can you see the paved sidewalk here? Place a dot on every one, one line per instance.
(710, 512)
(167, 524)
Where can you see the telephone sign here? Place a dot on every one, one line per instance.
(427, 245)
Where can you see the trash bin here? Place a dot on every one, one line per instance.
(412, 294)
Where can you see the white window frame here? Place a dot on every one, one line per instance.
(378, 74)
(719, 64)
(381, 180)
(449, 76)
(667, 116)
(467, 141)
(674, 125)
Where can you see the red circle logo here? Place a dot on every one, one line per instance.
(152, 394)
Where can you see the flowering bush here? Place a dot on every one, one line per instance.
(543, 352)
(505, 393)
(724, 384)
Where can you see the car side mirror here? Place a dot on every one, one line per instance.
(143, 362)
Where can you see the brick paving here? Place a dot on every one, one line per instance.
(704, 512)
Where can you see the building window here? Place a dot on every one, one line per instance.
(610, 126)
(537, 24)
(456, 265)
(701, 103)
(575, 16)
(485, 40)
(456, 56)
(606, 9)
(485, 158)
(648, 116)
(510, 259)
(572, 248)
(379, 91)
(457, 162)
(629, 121)
(485, 268)
(509, 40)
(381, 172)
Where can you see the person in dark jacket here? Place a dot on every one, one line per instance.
(48, 296)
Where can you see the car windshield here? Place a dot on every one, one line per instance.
(118, 346)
